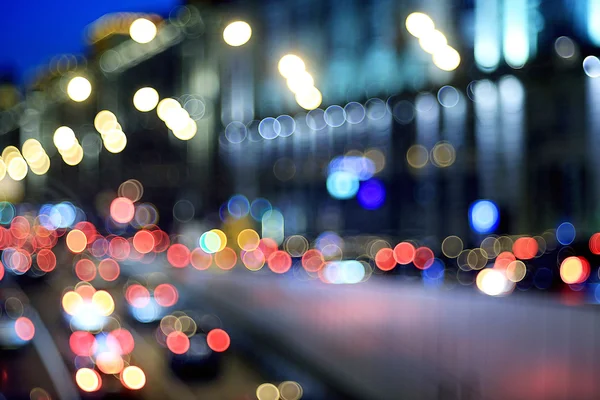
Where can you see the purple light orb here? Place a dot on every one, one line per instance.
(371, 194)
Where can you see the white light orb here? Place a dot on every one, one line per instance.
(17, 168)
(237, 33)
(446, 59)
(419, 24)
(142, 30)
(145, 99)
(79, 89)
(299, 82)
(64, 138)
(291, 65)
(309, 99)
(433, 41)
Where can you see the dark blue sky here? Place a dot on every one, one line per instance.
(32, 31)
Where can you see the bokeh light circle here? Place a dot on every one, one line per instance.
(109, 269)
(178, 342)
(178, 255)
(146, 99)
(88, 380)
(226, 258)
(591, 66)
(142, 30)
(565, 233)
(24, 328)
(218, 340)
(342, 185)
(237, 33)
(483, 216)
(248, 239)
(279, 262)
(385, 260)
(79, 89)
(122, 210)
(371, 194)
(133, 377)
(404, 253)
(166, 295)
(424, 258)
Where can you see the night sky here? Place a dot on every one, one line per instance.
(33, 31)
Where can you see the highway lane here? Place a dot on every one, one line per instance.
(382, 339)
(237, 377)
(29, 370)
(387, 340)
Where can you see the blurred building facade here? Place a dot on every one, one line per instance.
(516, 118)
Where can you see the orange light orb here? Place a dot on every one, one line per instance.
(76, 241)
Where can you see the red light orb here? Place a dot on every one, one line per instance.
(313, 260)
(268, 246)
(82, 343)
(109, 269)
(404, 253)
(120, 341)
(525, 248)
(137, 295)
(595, 243)
(85, 270)
(161, 241)
(384, 259)
(504, 259)
(218, 340)
(143, 241)
(122, 210)
(178, 256)
(46, 260)
(166, 295)
(119, 248)
(279, 262)
(178, 342)
(24, 328)
(423, 258)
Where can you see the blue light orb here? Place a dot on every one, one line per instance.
(238, 206)
(327, 238)
(344, 272)
(259, 207)
(434, 275)
(7, 212)
(362, 167)
(223, 212)
(371, 194)
(342, 185)
(63, 215)
(484, 216)
(565, 233)
(147, 314)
